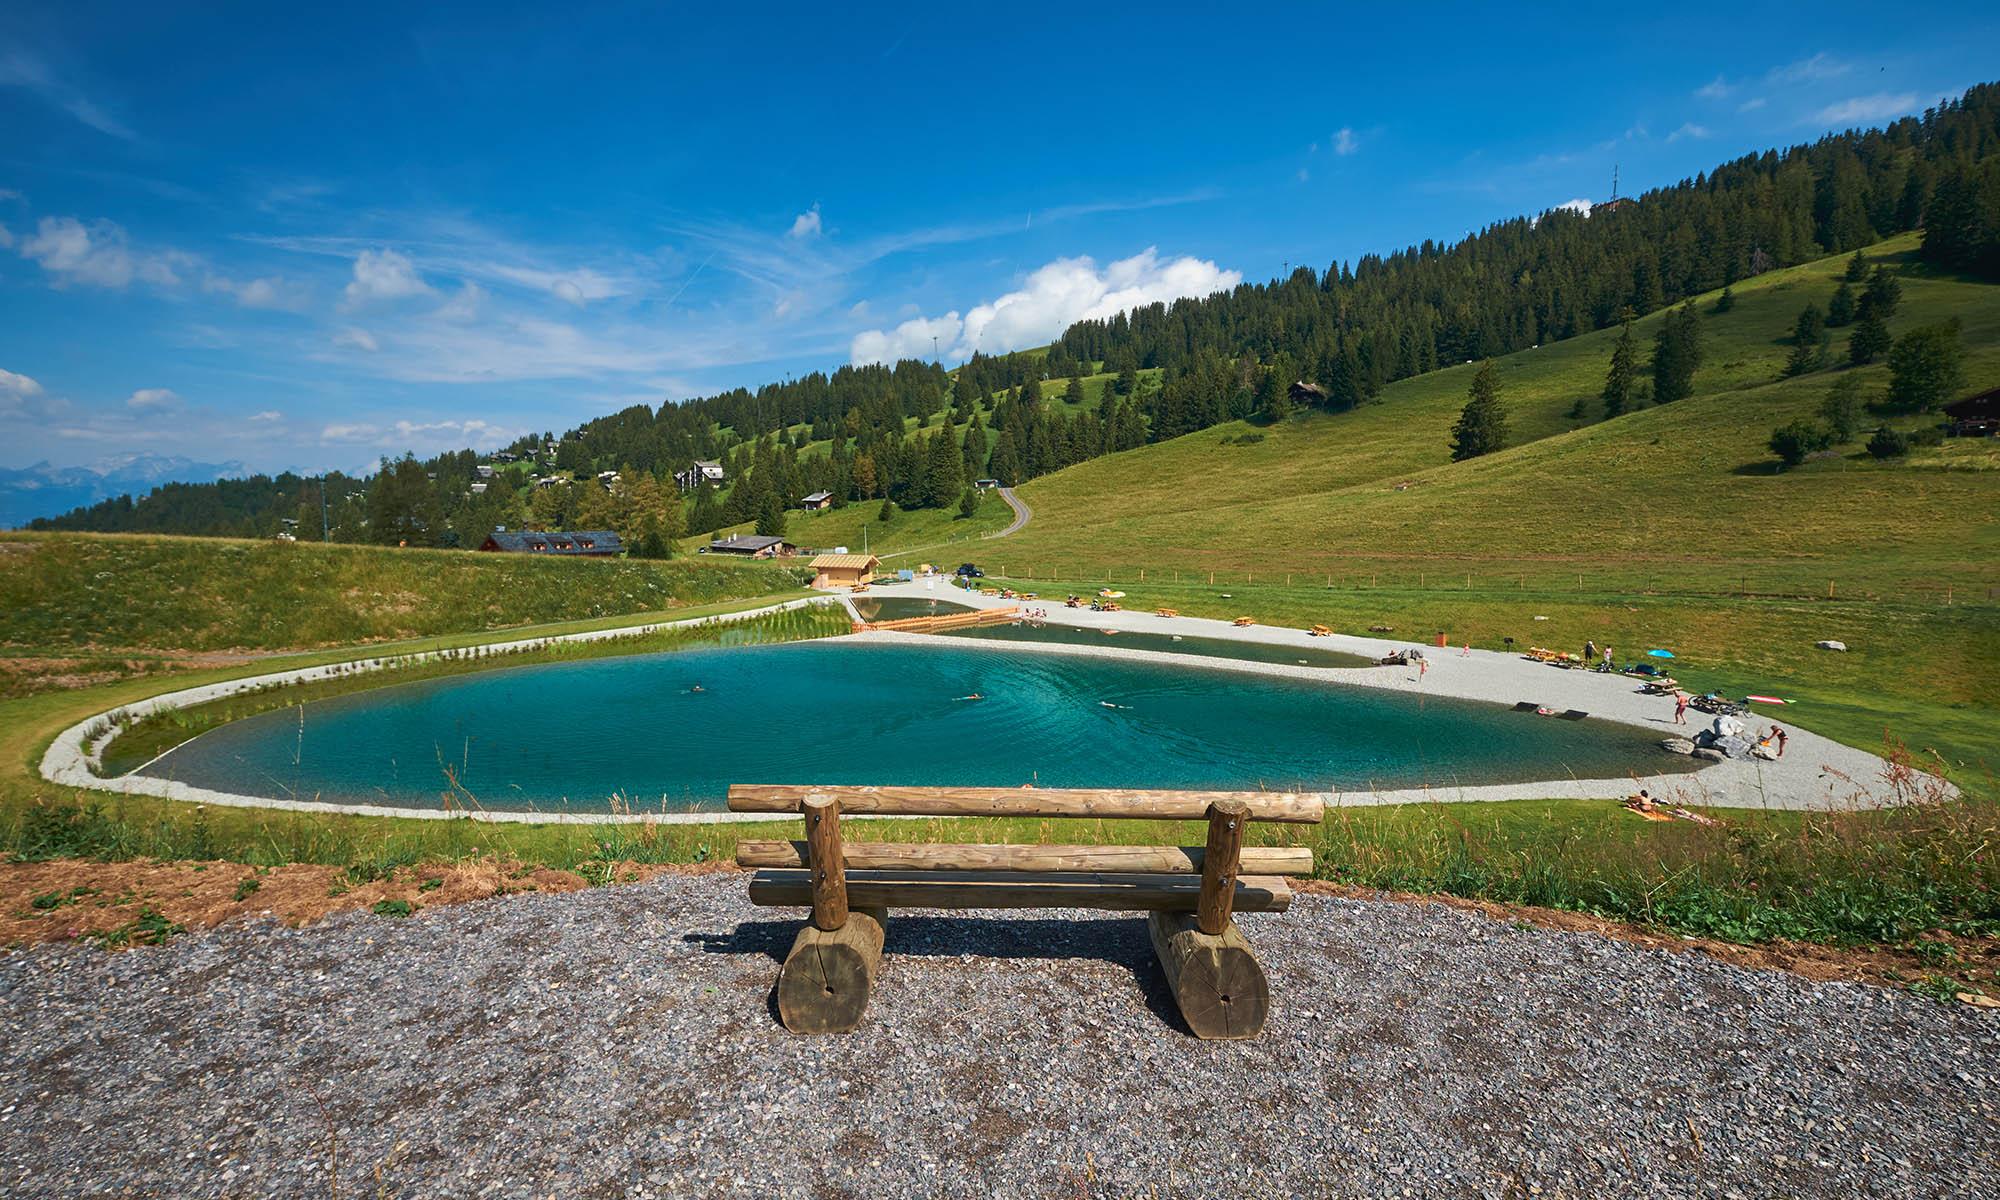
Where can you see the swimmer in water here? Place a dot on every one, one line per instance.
(973, 696)
(697, 688)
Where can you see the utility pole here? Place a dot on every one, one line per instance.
(325, 530)
(934, 350)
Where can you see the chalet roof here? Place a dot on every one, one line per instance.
(1983, 406)
(579, 541)
(857, 562)
(747, 542)
(816, 497)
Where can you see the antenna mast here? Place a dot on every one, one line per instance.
(1614, 181)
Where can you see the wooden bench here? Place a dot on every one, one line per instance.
(1188, 892)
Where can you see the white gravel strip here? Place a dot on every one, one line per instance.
(1816, 772)
(619, 1042)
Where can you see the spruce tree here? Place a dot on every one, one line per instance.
(1841, 410)
(1073, 394)
(1808, 343)
(1482, 423)
(771, 516)
(1840, 309)
(1883, 295)
(1857, 269)
(1724, 302)
(1926, 367)
(1624, 370)
(1676, 355)
(1869, 339)
(968, 504)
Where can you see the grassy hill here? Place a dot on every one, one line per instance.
(1665, 527)
(107, 593)
(908, 533)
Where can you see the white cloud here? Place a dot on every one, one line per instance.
(1689, 130)
(1344, 141)
(356, 338)
(1877, 107)
(1715, 89)
(154, 399)
(806, 224)
(419, 437)
(1053, 298)
(383, 275)
(465, 305)
(578, 287)
(98, 254)
(1819, 67)
(18, 69)
(1304, 175)
(911, 339)
(12, 384)
(1752, 104)
(269, 414)
(270, 291)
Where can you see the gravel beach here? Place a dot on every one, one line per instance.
(620, 1042)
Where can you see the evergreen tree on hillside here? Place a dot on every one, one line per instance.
(1273, 398)
(1808, 342)
(770, 515)
(1128, 380)
(973, 450)
(1883, 294)
(968, 504)
(1869, 339)
(1005, 465)
(1073, 394)
(1841, 410)
(1482, 423)
(1926, 367)
(1857, 269)
(1676, 355)
(1624, 371)
(1840, 309)
(1724, 302)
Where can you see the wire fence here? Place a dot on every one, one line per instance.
(1970, 588)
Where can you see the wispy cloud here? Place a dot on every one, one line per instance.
(20, 69)
(13, 384)
(1344, 141)
(1752, 104)
(1819, 67)
(1715, 89)
(97, 254)
(1691, 131)
(1877, 106)
(153, 399)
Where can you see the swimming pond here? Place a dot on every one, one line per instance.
(673, 731)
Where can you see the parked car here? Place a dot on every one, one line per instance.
(968, 571)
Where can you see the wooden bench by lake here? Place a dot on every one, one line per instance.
(1189, 893)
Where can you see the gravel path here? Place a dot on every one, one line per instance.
(619, 1042)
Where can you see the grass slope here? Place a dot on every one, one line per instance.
(909, 532)
(1664, 527)
(109, 592)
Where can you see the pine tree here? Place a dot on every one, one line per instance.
(1841, 409)
(1624, 370)
(1128, 380)
(1808, 343)
(1869, 339)
(1724, 302)
(1676, 355)
(968, 504)
(771, 516)
(1073, 394)
(1274, 399)
(1857, 269)
(1883, 295)
(1005, 465)
(1482, 424)
(888, 510)
(1840, 309)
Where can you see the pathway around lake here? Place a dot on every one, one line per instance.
(1815, 773)
(619, 1041)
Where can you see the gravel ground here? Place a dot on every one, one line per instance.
(620, 1042)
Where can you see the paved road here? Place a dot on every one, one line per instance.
(1022, 513)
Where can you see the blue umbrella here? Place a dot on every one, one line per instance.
(1661, 653)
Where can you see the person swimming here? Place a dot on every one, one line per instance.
(973, 696)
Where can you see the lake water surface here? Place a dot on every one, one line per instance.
(573, 735)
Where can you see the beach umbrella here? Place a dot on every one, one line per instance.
(1661, 653)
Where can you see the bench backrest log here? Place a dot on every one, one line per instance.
(830, 874)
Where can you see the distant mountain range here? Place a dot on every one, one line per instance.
(46, 491)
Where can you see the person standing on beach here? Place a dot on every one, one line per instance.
(1589, 651)
(1607, 658)
(1680, 707)
(1779, 736)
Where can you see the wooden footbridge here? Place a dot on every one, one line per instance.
(1188, 892)
(944, 622)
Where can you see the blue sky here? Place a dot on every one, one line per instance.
(308, 239)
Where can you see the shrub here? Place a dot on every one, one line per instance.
(1793, 442)
(1887, 443)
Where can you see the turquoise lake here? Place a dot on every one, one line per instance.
(574, 735)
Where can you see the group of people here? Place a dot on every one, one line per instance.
(1591, 654)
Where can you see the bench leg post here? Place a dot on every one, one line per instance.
(1216, 979)
(826, 861)
(1219, 860)
(827, 978)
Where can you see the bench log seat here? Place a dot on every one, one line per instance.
(1188, 892)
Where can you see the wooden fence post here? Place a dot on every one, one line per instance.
(829, 868)
(1226, 819)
